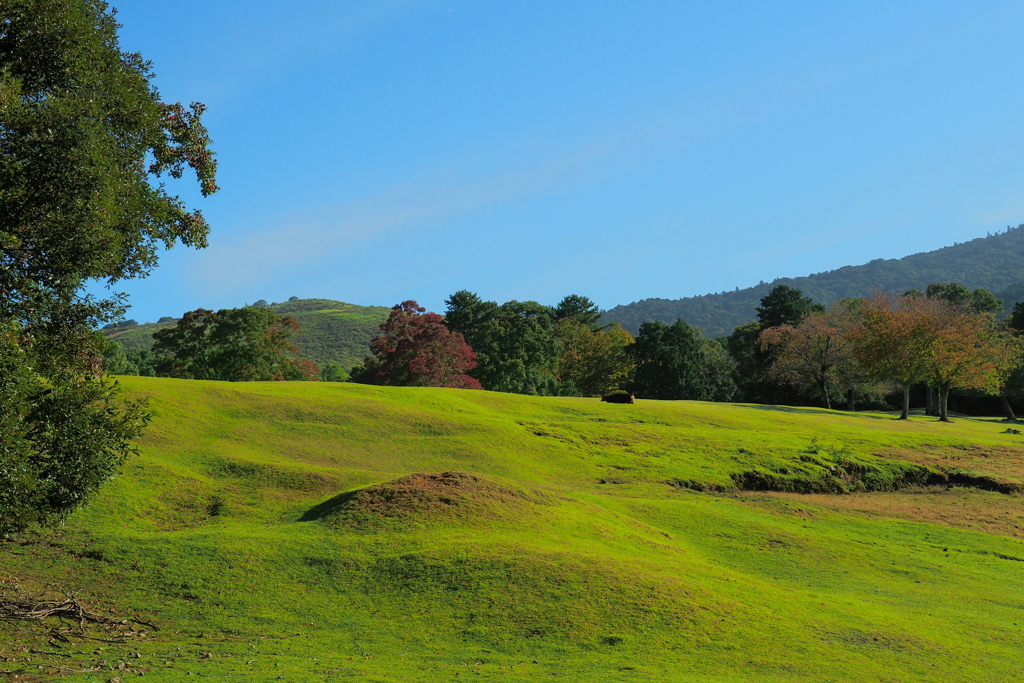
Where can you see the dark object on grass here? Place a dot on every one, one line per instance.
(620, 396)
(1011, 430)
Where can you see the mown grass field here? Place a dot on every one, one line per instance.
(273, 532)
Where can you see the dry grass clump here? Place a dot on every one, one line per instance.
(957, 507)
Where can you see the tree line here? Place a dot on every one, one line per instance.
(797, 351)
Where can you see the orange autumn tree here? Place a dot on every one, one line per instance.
(817, 354)
(970, 352)
(911, 339)
(895, 340)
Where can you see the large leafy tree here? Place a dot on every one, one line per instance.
(415, 349)
(676, 362)
(970, 352)
(941, 340)
(895, 339)
(516, 350)
(594, 361)
(237, 345)
(83, 135)
(959, 297)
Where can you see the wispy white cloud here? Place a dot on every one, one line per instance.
(448, 191)
(512, 172)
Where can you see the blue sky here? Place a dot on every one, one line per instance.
(378, 151)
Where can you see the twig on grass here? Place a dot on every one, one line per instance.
(145, 623)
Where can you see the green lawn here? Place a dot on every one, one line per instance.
(273, 532)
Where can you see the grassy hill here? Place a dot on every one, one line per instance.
(994, 262)
(332, 331)
(336, 532)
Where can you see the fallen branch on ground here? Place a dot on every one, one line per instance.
(37, 610)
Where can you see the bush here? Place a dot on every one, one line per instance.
(61, 437)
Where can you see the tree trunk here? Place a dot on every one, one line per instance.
(1010, 417)
(930, 407)
(849, 401)
(824, 389)
(906, 402)
(943, 403)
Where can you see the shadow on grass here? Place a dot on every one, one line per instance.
(327, 507)
(816, 411)
(915, 414)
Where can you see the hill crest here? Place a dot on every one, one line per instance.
(331, 331)
(995, 262)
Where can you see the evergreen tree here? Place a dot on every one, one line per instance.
(466, 312)
(784, 305)
(580, 308)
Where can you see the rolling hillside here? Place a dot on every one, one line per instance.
(332, 331)
(995, 262)
(335, 532)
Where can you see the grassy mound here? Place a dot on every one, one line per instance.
(422, 498)
(274, 531)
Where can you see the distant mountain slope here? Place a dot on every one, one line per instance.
(332, 331)
(995, 262)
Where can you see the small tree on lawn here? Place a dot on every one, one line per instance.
(416, 349)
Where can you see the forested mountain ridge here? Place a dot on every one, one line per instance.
(995, 262)
(332, 331)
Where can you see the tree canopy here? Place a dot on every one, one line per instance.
(784, 305)
(595, 362)
(516, 350)
(416, 349)
(235, 345)
(579, 308)
(817, 354)
(84, 138)
(676, 362)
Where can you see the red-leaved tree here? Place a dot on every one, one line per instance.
(415, 349)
